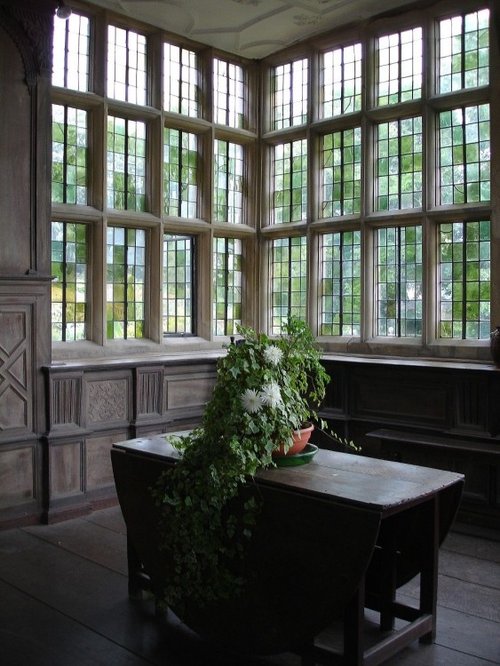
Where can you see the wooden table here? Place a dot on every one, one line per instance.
(367, 526)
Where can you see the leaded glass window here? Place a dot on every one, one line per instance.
(180, 173)
(290, 182)
(126, 164)
(69, 155)
(69, 267)
(464, 53)
(340, 284)
(464, 280)
(228, 182)
(227, 284)
(464, 155)
(229, 94)
(126, 70)
(288, 278)
(71, 47)
(399, 281)
(178, 283)
(341, 173)
(341, 84)
(399, 164)
(180, 80)
(289, 94)
(126, 282)
(399, 67)
(345, 138)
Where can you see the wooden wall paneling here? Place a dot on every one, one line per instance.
(15, 154)
(493, 392)
(65, 402)
(337, 394)
(470, 414)
(389, 394)
(477, 488)
(99, 474)
(20, 484)
(148, 382)
(25, 70)
(443, 401)
(108, 399)
(187, 390)
(16, 369)
(18, 478)
(66, 469)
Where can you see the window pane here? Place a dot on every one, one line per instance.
(178, 267)
(290, 182)
(229, 94)
(126, 65)
(126, 280)
(341, 82)
(288, 281)
(341, 173)
(227, 285)
(464, 52)
(126, 164)
(340, 294)
(464, 155)
(399, 67)
(70, 56)
(228, 182)
(464, 266)
(69, 266)
(399, 282)
(180, 173)
(180, 80)
(399, 164)
(69, 155)
(289, 94)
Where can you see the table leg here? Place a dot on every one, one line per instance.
(429, 571)
(353, 627)
(389, 556)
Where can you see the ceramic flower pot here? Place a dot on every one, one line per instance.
(300, 439)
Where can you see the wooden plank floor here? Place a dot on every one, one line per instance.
(63, 602)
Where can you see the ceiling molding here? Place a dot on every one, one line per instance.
(251, 29)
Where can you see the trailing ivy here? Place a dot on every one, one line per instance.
(265, 388)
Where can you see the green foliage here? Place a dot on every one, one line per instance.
(265, 389)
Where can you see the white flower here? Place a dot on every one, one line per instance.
(271, 395)
(273, 354)
(252, 401)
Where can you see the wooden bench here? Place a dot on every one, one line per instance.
(389, 436)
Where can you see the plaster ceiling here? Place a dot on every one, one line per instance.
(249, 28)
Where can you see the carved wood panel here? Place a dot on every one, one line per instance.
(16, 381)
(471, 411)
(108, 400)
(65, 401)
(149, 391)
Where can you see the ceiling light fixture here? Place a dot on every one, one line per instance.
(63, 11)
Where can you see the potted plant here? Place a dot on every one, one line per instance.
(265, 390)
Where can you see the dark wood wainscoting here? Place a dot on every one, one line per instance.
(92, 406)
(435, 413)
